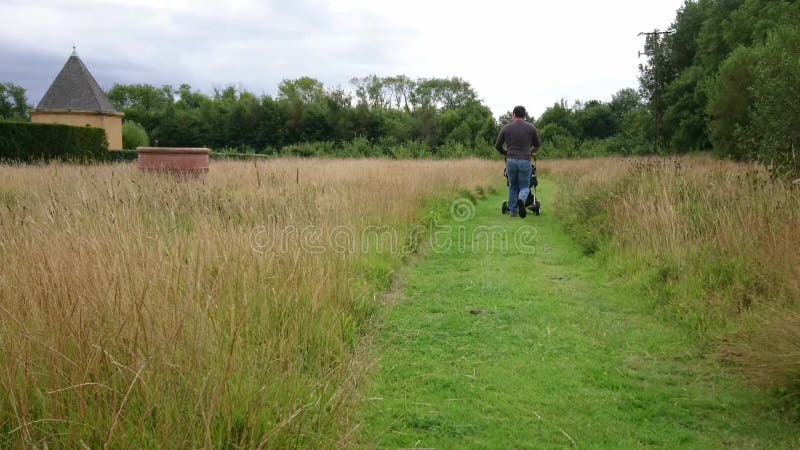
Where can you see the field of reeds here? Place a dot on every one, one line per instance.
(716, 243)
(137, 311)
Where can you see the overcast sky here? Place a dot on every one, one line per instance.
(512, 52)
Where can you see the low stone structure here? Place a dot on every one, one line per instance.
(177, 160)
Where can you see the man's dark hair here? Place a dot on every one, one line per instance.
(519, 111)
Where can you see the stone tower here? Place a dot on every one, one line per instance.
(75, 98)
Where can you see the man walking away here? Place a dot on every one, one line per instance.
(522, 140)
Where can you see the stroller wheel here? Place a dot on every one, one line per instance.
(505, 209)
(537, 208)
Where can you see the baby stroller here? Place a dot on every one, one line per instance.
(531, 203)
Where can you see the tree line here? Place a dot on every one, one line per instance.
(389, 110)
(429, 117)
(379, 116)
(727, 77)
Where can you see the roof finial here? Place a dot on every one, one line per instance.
(73, 49)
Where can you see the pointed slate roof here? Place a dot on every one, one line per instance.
(75, 89)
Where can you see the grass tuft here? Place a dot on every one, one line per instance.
(717, 242)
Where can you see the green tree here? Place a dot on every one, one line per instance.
(372, 90)
(189, 99)
(304, 99)
(141, 97)
(13, 102)
(443, 93)
(635, 135)
(654, 76)
(730, 100)
(392, 111)
(471, 125)
(557, 140)
(682, 44)
(304, 90)
(596, 120)
(624, 101)
(271, 131)
(684, 124)
(706, 73)
(755, 20)
(425, 126)
(147, 105)
(401, 89)
(712, 46)
(559, 114)
(774, 132)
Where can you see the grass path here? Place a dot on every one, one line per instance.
(546, 350)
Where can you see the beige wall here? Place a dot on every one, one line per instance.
(111, 123)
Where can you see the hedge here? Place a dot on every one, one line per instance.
(29, 142)
(238, 156)
(115, 156)
(121, 156)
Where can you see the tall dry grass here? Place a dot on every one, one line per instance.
(717, 241)
(135, 313)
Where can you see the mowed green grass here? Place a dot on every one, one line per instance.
(547, 350)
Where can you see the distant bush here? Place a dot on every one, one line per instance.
(26, 142)
(361, 147)
(121, 155)
(310, 149)
(413, 149)
(131, 155)
(453, 149)
(237, 156)
(134, 135)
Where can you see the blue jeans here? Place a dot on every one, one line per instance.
(519, 182)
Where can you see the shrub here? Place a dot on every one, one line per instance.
(405, 149)
(359, 147)
(310, 149)
(452, 149)
(121, 155)
(485, 151)
(237, 156)
(134, 135)
(26, 142)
